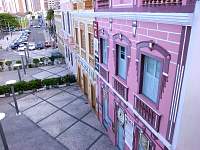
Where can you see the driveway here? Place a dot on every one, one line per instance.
(55, 119)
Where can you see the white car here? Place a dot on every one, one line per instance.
(31, 46)
(21, 47)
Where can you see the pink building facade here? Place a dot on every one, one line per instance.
(140, 63)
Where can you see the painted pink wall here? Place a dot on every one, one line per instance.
(168, 36)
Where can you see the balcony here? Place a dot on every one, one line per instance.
(83, 54)
(120, 87)
(88, 4)
(104, 72)
(161, 2)
(91, 61)
(147, 113)
(158, 6)
(102, 4)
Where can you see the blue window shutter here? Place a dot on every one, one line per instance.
(104, 51)
(121, 61)
(151, 78)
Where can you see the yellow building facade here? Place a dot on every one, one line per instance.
(83, 39)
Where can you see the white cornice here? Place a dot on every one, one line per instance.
(184, 19)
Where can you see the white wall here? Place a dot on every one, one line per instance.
(187, 130)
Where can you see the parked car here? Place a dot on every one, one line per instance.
(28, 31)
(47, 44)
(21, 47)
(31, 46)
(39, 45)
(14, 46)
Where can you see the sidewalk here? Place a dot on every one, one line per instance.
(5, 43)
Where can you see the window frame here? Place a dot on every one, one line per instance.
(108, 122)
(164, 57)
(76, 35)
(83, 39)
(91, 44)
(103, 35)
(121, 40)
(141, 76)
(117, 62)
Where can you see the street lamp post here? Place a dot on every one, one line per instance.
(23, 63)
(12, 82)
(19, 75)
(3, 137)
(26, 57)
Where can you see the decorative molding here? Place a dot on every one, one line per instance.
(122, 40)
(152, 46)
(184, 19)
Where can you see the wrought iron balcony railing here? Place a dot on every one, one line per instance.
(147, 113)
(120, 87)
(104, 72)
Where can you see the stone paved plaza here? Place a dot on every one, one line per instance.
(44, 72)
(55, 119)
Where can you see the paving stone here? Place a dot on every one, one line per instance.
(47, 67)
(75, 90)
(42, 75)
(53, 76)
(22, 134)
(61, 99)
(56, 70)
(103, 143)
(79, 136)
(40, 111)
(91, 119)
(63, 73)
(27, 102)
(57, 123)
(77, 108)
(47, 93)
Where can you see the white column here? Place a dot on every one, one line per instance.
(187, 132)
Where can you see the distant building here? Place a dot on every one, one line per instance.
(53, 4)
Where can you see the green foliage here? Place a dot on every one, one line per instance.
(50, 15)
(8, 63)
(42, 59)
(37, 84)
(8, 20)
(20, 86)
(34, 84)
(36, 61)
(18, 62)
(5, 89)
(1, 65)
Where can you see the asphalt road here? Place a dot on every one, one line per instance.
(37, 35)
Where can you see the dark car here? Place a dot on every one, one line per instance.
(47, 44)
(39, 45)
(14, 46)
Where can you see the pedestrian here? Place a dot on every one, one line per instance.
(7, 38)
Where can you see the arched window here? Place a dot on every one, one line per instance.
(122, 55)
(103, 46)
(152, 62)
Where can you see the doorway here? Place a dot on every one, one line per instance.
(85, 84)
(93, 97)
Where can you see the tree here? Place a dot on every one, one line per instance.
(50, 15)
(8, 20)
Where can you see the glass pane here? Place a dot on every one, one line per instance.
(150, 65)
(143, 143)
(158, 69)
(121, 61)
(151, 78)
(122, 53)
